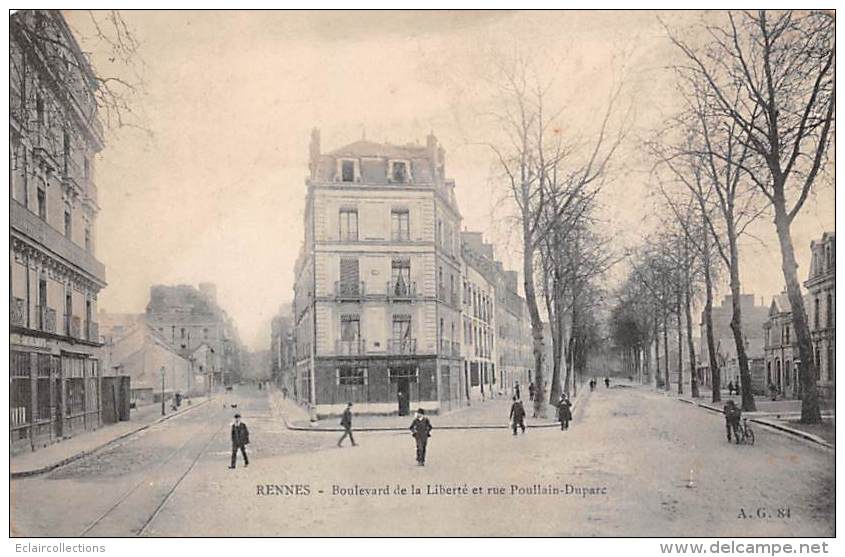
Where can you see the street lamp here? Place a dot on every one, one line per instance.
(162, 390)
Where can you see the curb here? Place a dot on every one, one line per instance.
(83, 454)
(761, 421)
(293, 427)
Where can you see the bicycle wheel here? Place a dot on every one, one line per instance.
(749, 436)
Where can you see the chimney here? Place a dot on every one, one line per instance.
(314, 153)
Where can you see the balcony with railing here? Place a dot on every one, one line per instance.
(27, 223)
(456, 348)
(350, 347)
(17, 312)
(74, 326)
(349, 290)
(399, 346)
(46, 319)
(445, 347)
(400, 290)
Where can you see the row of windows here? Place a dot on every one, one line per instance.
(829, 312)
(398, 171)
(400, 225)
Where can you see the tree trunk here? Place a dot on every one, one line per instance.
(536, 322)
(810, 410)
(680, 346)
(690, 345)
(666, 385)
(715, 379)
(736, 325)
(656, 350)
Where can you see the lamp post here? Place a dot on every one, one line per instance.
(162, 390)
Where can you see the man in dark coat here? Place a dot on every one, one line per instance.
(733, 415)
(531, 391)
(517, 415)
(516, 389)
(421, 430)
(346, 422)
(564, 412)
(607, 382)
(240, 439)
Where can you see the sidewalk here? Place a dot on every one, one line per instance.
(780, 416)
(66, 451)
(491, 414)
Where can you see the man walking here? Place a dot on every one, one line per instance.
(421, 430)
(240, 439)
(517, 415)
(531, 391)
(346, 422)
(607, 382)
(516, 389)
(564, 412)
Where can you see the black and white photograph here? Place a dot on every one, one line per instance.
(422, 273)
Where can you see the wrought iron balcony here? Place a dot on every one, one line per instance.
(46, 318)
(345, 290)
(400, 290)
(402, 346)
(350, 347)
(17, 312)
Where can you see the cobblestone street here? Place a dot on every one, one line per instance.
(632, 454)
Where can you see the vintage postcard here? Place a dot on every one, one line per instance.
(422, 273)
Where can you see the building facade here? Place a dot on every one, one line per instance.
(377, 296)
(194, 325)
(479, 352)
(821, 291)
(55, 277)
(283, 351)
(782, 355)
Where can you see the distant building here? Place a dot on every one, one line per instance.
(143, 353)
(197, 328)
(479, 313)
(283, 351)
(377, 282)
(780, 348)
(753, 318)
(514, 344)
(55, 277)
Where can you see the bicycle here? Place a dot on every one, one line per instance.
(747, 434)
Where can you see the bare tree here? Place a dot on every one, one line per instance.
(541, 166)
(782, 64)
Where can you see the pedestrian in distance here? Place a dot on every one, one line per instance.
(531, 390)
(346, 422)
(607, 382)
(730, 388)
(421, 431)
(592, 384)
(773, 391)
(516, 389)
(733, 414)
(564, 412)
(240, 439)
(517, 415)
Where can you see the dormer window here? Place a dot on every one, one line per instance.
(399, 172)
(347, 171)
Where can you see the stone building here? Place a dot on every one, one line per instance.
(54, 275)
(194, 325)
(753, 317)
(821, 291)
(377, 308)
(513, 342)
(283, 351)
(479, 318)
(781, 348)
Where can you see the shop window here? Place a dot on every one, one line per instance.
(20, 389)
(352, 376)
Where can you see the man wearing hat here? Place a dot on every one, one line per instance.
(240, 439)
(346, 422)
(421, 430)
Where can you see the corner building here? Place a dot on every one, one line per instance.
(377, 301)
(54, 275)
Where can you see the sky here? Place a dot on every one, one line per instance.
(212, 189)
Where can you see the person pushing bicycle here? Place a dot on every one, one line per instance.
(733, 416)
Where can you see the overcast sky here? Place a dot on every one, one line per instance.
(216, 191)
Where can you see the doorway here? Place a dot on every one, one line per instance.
(403, 395)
